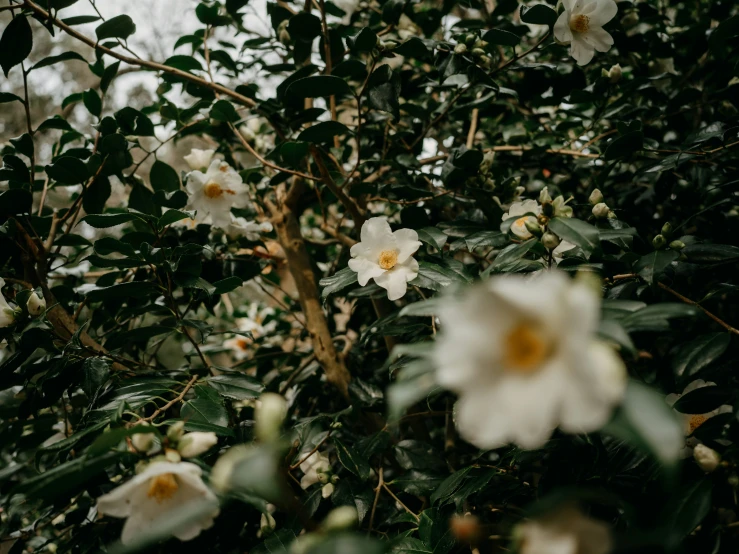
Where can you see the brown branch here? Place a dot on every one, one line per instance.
(378, 489)
(171, 403)
(715, 318)
(241, 99)
(347, 202)
(296, 465)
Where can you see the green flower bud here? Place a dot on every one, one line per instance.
(533, 227)
(677, 245)
(596, 197)
(550, 240)
(460, 48)
(667, 229)
(659, 242)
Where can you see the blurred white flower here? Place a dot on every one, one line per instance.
(614, 74)
(348, 7)
(196, 443)
(706, 458)
(521, 212)
(199, 159)
(149, 144)
(269, 414)
(36, 304)
(254, 324)
(252, 132)
(7, 314)
(143, 442)
(565, 531)
(215, 192)
(691, 422)
(252, 230)
(406, 28)
(581, 26)
(522, 355)
(313, 468)
(385, 256)
(147, 499)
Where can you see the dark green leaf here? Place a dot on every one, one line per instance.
(50, 60)
(317, 86)
(653, 265)
(163, 177)
(68, 170)
(538, 14)
(352, 460)
(692, 357)
(16, 43)
(236, 387)
(577, 232)
(120, 26)
(323, 132)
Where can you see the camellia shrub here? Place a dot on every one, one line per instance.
(393, 276)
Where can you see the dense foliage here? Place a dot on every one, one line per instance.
(437, 277)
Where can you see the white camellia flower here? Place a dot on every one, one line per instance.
(7, 314)
(521, 353)
(199, 159)
(385, 256)
(252, 230)
(147, 499)
(522, 212)
(36, 304)
(565, 531)
(313, 467)
(215, 192)
(196, 443)
(255, 323)
(691, 422)
(581, 26)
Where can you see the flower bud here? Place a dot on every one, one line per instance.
(596, 197)
(706, 458)
(36, 304)
(340, 519)
(550, 240)
(667, 229)
(533, 227)
(478, 52)
(267, 523)
(327, 490)
(171, 455)
(282, 33)
(175, 431)
(460, 48)
(601, 210)
(544, 197)
(614, 74)
(612, 215)
(269, 415)
(659, 242)
(466, 528)
(199, 159)
(677, 245)
(143, 442)
(196, 443)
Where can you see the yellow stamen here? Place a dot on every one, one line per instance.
(162, 487)
(695, 422)
(388, 259)
(580, 23)
(214, 190)
(524, 349)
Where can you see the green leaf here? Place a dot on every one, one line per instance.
(702, 400)
(383, 91)
(96, 195)
(93, 103)
(538, 14)
(105, 221)
(304, 27)
(501, 37)
(95, 374)
(294, 152)
(577, 232)
(657, 316)
(108, 75)
(223, 110)
(15, 201)
(164, 177)
(689, 506)
(16, 43)
(433, 236)
(9, 97)
(206, 411)
(435, 532)
(653, 265)
(51, 60)
(624, 146)
(121, 26)
(710, 253)
(450, 485)
(134, 289)
(184, 63)
(228, 284)
(68, 170)
(434, 277)
(339, 281)
(323, 132)
(317, 86)
(352, 460)
(236, 387)
(692, 357)
(409, 545)
(365, 40)
(413, 48)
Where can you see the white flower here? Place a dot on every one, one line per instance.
(521, 353)
(7, 314)
(313, 468)
(691, 422)
(706, 458)
(385, 256)
(565, 531)
(613, 75)
(147, 499)
(36, 304)
(149, 144)
(215, 192)
(252, 230)
(199, 159)
(521, 211)
(581, 26)
(558, 253)
(196, 443)
(269, 414)
(254, 324)
(144, 442)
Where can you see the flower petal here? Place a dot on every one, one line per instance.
(581, 50)
(562, 31)
(408, 243)
(376, 234)
(365, 270)
(394, 282)
(599, 39)
(602, 12)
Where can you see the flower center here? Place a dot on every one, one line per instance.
(580, 23)
(520, 226)
(695, 422)
(524, 348)
(214, 190)
(388, 259)
(162, 487)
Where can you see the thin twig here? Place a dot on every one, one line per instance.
(378, 489)
(296, 465)
(171, 403)
(718, 320)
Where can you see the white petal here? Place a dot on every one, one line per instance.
(196, 181)
(365, 270)
(569, 5)
(376, 234)
(583, 306)
(599, 39)
(562, 31)
(394, 282)
(581, 50)
(518, 228)
(408, 243)
(602, 12)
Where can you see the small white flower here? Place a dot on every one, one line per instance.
(565, 531)
(581, 26)
(36, 304)
(215, 192)
(313, 468)
(521, 353)
(522, 212)
(706, 458)
(691, 422)
(196, 443)
(252, 230)
(143, 442)
(327, 490)
(199, 159)
(614, 74)
(385, 256)
(147, 499)
(7, 314)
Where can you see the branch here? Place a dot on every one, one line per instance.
(171, 403)
(241, 99)
(718, 320)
